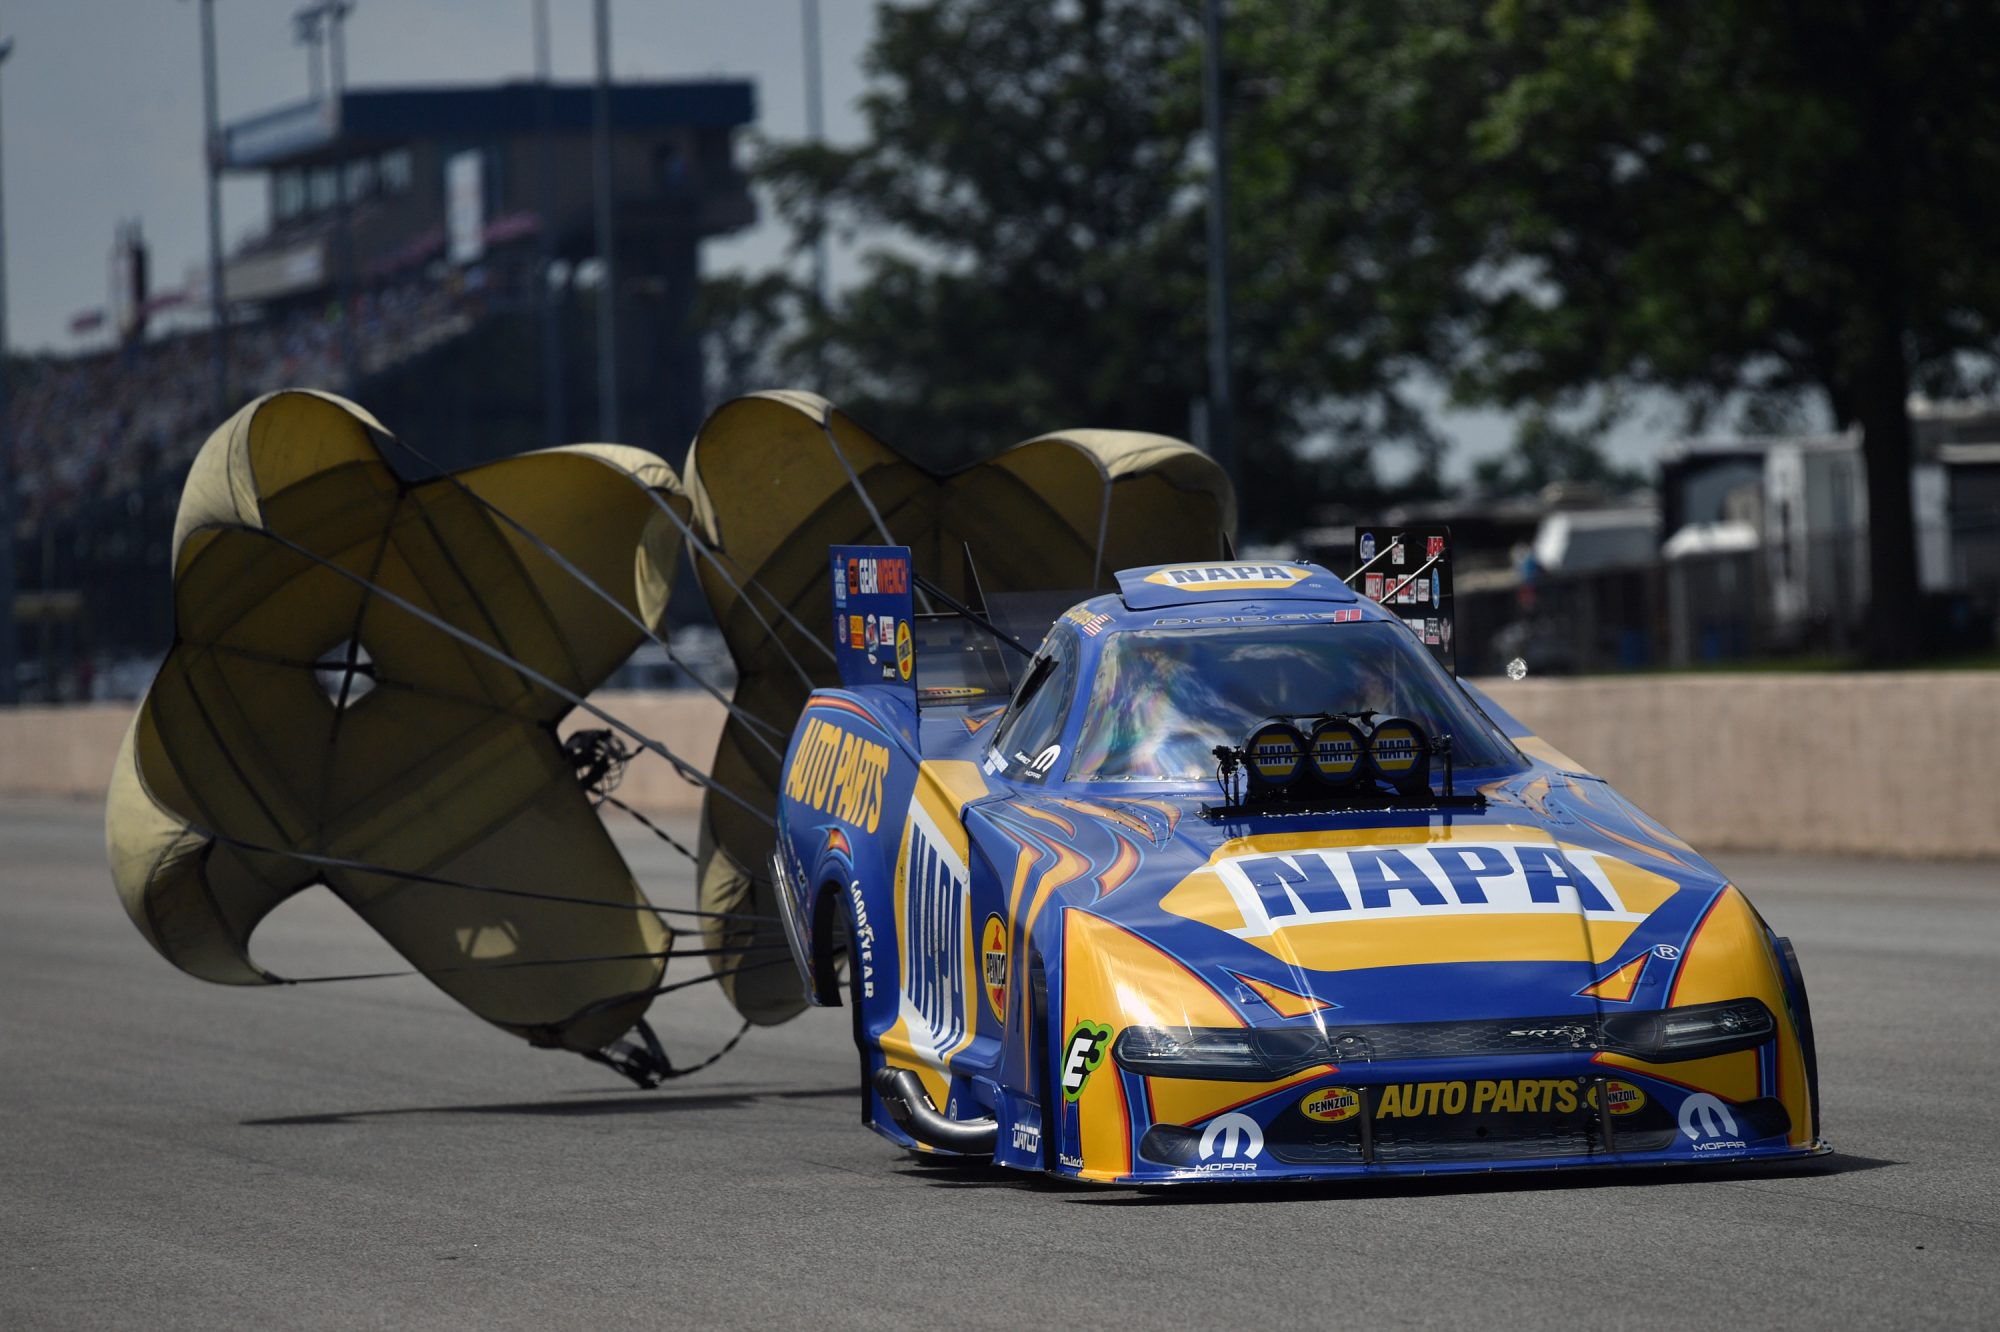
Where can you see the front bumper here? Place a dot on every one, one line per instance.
(1407, 1117)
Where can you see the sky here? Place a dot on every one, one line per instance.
(102, 111)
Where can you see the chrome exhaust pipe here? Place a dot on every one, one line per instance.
(910, 1106)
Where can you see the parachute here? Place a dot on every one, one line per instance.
(368, 675)
(775, 478)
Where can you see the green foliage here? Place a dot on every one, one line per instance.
(1038, 171)
(1541, 204)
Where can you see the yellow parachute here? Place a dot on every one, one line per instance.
(776, 478)
(368, 673)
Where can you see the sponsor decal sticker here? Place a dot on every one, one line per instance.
(1331, 1105)
(1367, 547)
(1230, 577)
(1090, 622)
(838, 773)
(1622, 1098)
(993, 966)
(864, 939)
(1232, 1141)
(1706, 1121)
(906, 652)
(1502, 1096)
(872, 574)
(1027, 1137)
(935, 938)
(854, 632)
(1082, 1053)
(839, 582)
(1372, 586)
(1275, 891)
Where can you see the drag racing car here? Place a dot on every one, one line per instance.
(1231, 879)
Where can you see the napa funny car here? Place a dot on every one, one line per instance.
(1230, 879)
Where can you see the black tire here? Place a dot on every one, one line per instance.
(1802, 1016)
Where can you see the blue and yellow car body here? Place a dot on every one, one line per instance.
(1071, 967)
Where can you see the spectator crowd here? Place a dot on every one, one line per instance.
(97, 425)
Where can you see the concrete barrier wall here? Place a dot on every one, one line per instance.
(1875, 764)
(1880, 764)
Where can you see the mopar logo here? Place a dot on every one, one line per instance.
(1227, 1133)
(1707, 1122)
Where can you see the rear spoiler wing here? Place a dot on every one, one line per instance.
(1408, 571)
(951, 653)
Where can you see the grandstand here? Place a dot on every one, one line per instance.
(437, 220)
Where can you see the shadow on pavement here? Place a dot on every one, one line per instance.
(954, 1174)
(635, 1102)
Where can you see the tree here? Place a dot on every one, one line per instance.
(1740, 200)
(1546, 453)
(1036, 171)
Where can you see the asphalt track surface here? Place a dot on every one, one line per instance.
(175, 1154)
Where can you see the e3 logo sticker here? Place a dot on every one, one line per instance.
(1082, 1053)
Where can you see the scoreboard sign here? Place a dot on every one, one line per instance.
(1408, 570)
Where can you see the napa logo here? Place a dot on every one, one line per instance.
(1275, 891)
(1229, 577)
(936, 939)
(838, 773)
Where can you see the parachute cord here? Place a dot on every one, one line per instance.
(441, 881)
(662, 834)
(714, 557)
(647, 1064)
(748, 718)
(533, 963)
(600, 760)
(477, 644)
(867, 500)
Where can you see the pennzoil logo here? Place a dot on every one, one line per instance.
(993, 966)
(1229, 577)
(1331, 1105)
(837, 772)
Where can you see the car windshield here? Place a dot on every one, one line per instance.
(1163, 699)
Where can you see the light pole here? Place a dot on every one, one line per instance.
(7, 643)
(553, 427)
(218, 335)
(336, 12)
(1221, 401)
(816, 133)
(607, 292)
(309, 30)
